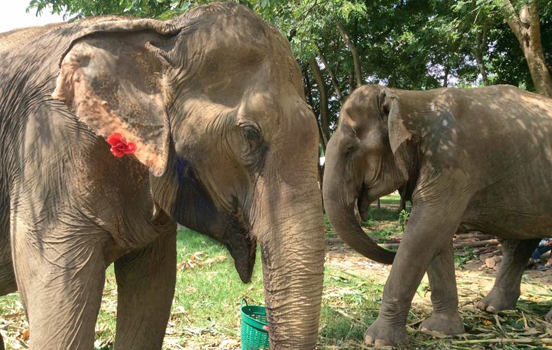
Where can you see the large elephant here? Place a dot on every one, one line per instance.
(470, 158)
(208, 127)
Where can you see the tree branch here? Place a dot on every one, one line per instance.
(310, 99)
(323, 103)
(512, 19)
(354, 52)
(481, 48)
(333, 79)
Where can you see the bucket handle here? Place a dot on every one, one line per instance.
(243, 301)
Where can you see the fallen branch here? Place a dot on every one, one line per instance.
(481, 236)
(456, 244)
(505, 341)
(476, 243)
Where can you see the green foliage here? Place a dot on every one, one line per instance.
(348, 295)
(381, 235)
(369, 223)
(464, 255)
(383, 213)
(83, 8)
(409, 44)
(403, 219)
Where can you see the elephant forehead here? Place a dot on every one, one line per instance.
(224, 21)
(361, 108)
(259, 106)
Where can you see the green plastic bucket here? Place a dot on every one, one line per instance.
(253, 335)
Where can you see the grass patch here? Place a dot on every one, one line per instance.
(393, 198)
(350, 303)
(379, 214)
(205, 307)
(205, 312)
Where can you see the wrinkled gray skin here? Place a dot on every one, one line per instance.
(474, 159)
(226, 145)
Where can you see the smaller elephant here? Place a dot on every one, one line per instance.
(473, 159)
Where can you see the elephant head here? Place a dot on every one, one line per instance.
(369, 156)
(214, 103)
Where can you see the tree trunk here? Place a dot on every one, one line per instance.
(310, 100)
(354, 52)
(324, 112)
(480, 49)
(445, 77)
(335, 83)
(526, 27)
(351, 81)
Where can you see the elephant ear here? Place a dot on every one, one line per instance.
(390, 106)
(111, 77)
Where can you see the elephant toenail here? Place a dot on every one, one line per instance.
(368, 340)
(491, 309)
(380, 343)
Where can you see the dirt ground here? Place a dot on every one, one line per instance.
(474, 279)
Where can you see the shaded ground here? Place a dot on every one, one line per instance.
(525, 326)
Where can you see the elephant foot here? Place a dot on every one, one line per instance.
(382, 333)
(497, 301)
(548, 316)
(448, 324)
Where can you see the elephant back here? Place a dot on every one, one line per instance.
(19, 37)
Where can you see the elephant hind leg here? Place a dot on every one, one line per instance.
(506, 289)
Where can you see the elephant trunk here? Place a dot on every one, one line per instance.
(293, 269)
(340, 194)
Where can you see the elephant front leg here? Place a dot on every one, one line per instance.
(145, 282)
(429, 230)
(506, 289)
(444, 297)
(60, 275)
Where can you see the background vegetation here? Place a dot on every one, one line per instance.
(409, 44)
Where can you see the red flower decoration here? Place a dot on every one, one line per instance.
(119, 145)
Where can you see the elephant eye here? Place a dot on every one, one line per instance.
(349, 150)
(252, 136)
(254, 147)
(251, 133)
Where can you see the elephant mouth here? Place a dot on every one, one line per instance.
(363, 202)
(244, 257)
